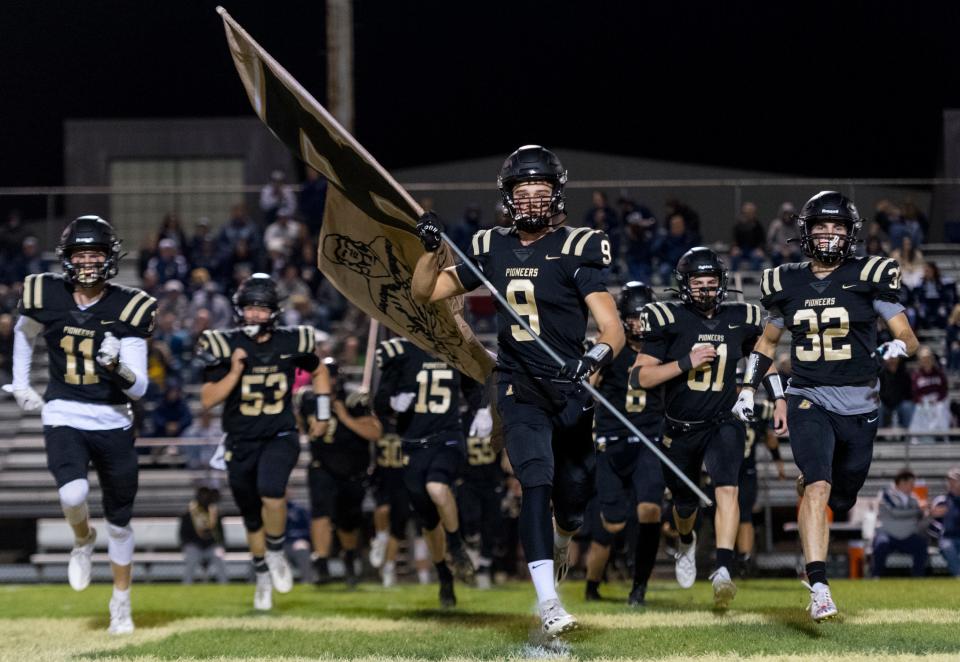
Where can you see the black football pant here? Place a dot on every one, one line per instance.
(718, 446)
(260, 468)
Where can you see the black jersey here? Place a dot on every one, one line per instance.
(642, 407)
(260, 406)
(672, 331)
(483, 462)
(757, 432)
(832, 320)
(546, 283)
(405, 368)
(389, 451)
(73, 336)
(340, 449)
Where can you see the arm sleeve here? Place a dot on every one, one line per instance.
(24, 335)
(133, 354)
(887, 309)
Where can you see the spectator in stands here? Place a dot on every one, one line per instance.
(463, 232)
(173, 300)
(901, 227)
(309, 271)
(885, 214)
(277, 257)
(28, 261)
(749, 239)
(912, 263)
(172, 416)
(170, 228)
(875, 242)
(169, 263)
(601, 216)
(640, 236)
(207, 295)
(277, 198)
(286, 231)
(297, 544)
(203, 252)
(12, 234)
(238, 228)
(201, 537)
(302, 310)
(146, 252)
(933, 299)
(207, 432)
(916, 221)
(896, 393)
(946, 509)
(242, 261)
(782, 236)
(899, 521)
(929, 387)
(313, 198)
(6, 348)
(691, 218)
(290, 283)
(671, 247)
(953, 339)
(150, 283)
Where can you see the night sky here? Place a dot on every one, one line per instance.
(855, 89)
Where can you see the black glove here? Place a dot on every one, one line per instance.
(577, 369)
(429, 228)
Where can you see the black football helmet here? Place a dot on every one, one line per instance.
(257, 290)
(633, 297)
(701, 261)
(829, 206)
(532, 163)
(84, 234)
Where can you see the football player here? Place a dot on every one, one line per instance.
(251, 370)
(96, 336)
(830, 305)
(628, 473)
(424, 394)
(692, 347)
(481, 493)
(393, 505)
(339, 461)
(552, 276)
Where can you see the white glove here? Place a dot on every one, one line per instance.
(217, 461)
(401, 401)
(27, 399)
(893, 349)
(743, 409)
(482, 424)
(109, 352)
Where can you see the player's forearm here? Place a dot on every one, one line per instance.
(24, 335)
(367, 427)
(425, 275)
(650, 376)
(213, 393)
(613, 336)
(909, 339)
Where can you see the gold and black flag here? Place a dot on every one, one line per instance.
(368, 246)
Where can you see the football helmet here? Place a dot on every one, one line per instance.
(532, 163)
(633, 297)
(257, 290)
(85, 234)
(829, 248)
(696, 262)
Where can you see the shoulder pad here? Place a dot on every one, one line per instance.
(32, 298)
(390, 349)
(771, 286)
(587, 246)
(480, 245)
(299, 339)
(213, 347)
(882, 274)
(658, 315)
(43, 292)
(140, 311)
(752, 314)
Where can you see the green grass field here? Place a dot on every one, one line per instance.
(881, 620)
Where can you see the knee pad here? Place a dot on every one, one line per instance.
(74, 493)
(120, 544)
(686, 508)
(568, 521)
(614, 512)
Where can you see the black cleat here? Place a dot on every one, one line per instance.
(638, 596)
(447, 598)
(592, 594)
(321, 572)
(462, 567)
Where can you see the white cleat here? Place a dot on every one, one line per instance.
(724, 589)
(561, 563)
(121, 622)
(822, 607)
(378, 551)
(555, 618)
(81, 563)
(389, 577)
(686, 563)
(280, 573)
(263, 594)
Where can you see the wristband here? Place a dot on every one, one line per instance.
(601, 353)
(323, 407)
(633, 379)
(123, 376)
(774, 386)
(685, 363)
(757, 366)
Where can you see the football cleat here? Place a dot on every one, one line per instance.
(378, 551)
(723, 588)
(121, 622)
(484, 578)
(555, 618)
(592, 594)
(638, 596)
(81, 563)
(461, 566)
(686, 563)
(448, 599)
(389, 573)
(263, 594)
(280, 573)
(821, 607)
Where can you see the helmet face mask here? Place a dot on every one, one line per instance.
(633, 297)
(89, 251)
(818, 222)
(257, 305)
(702, 278)
(531, 185)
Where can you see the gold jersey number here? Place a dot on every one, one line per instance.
(520, 296)
(254, 398)
(479, 451)
(389, 452)
(702, 378)
(636, 400)
(80, 369)
(433, 396)
(824, 334)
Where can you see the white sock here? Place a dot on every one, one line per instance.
(383, 536)
(561, 541)
(541, 572)
(423, 576)
(389, 567)
(119, 594)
